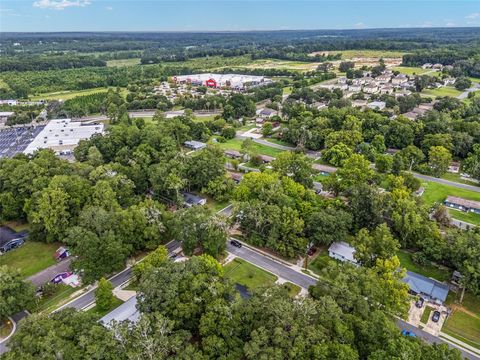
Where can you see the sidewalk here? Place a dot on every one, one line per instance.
(460, 343)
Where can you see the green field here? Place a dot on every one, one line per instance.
(457, 178)
(464, 327)
(70, 94)
(435, 192)
(123, 62)
(101, 313)
(236, 144)
(414, 70)
(469, 217)
(30, 258)
(426, 314)
(246, 274)
(443, 91)
(384, 54)
(428, 271)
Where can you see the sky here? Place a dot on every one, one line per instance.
(232, 15)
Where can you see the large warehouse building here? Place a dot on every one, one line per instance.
(62, 135)
(233, 81)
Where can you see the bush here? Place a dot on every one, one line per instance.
(420, 258)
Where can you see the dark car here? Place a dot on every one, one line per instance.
(12, 244)
(419, 303)
(311, 251)
(408, 333)
(59, 277)
(436, 316)
(236, 243)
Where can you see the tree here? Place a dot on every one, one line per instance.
(463, 83)
(471, 165)
(155, 259)
(228, 132)
(220, 188)
(104, 297)
(267, 129)
(337, 154)
(384, 163)
(325, 226)
(206, 165)
(295, 165)
(439, 160)
(366, 205)
(15, 294)
(412, 156)
(379, 244)
(356, 170)
(345, 66)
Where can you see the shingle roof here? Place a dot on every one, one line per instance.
(463, 202)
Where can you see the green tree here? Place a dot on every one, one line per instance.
(412, 156)
(378, 244)
(355, 171)
(471, 165)
(463, 83)
(15, 294)
(337, 154)
(104, 297)
(206, 165)
(439, 160)
(295, 165)
(384, 163)
(325, 226)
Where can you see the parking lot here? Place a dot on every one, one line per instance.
(16, 140)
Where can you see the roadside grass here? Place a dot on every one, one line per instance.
(426, 314)
(279, 142)
(17, 225)
(320, 262)
(61, 293)
(457, 178)
(204, 118)
(246, 274)
(236, 144)
(31, 257)
(428, 270)
(101, 313)
(464, 327)
(123, 62)
(413, 70)
(443, 91)
(293, 289)
(468, 217)
(435, 192)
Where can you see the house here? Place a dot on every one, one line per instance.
(454, 167)
(267, 113)
(426, 106)
(386, 89)
(342, 80)
(324, 169)
(342, 251)
(400, 79)
(377, 105)
(449, 81)
(427, 66)
(266, 159)
(359, 103)
(10, 239)
(355, 88)
(127, 311)
(370, 89)
(236, 177)
(5, 115)
(193, 200)
(403, 92)
(383, 78)
(194, 145)
(233, 154)
(437, 66)
(458, 203)
(429, 289)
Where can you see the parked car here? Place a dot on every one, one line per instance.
(12, 244)
(419, 303)
(408, 333)
(311, 251)
(236, 243)
(59, 277)
(436, 316)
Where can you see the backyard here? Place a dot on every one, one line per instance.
(30, 258)
(442, 91)
(320, 262)
(246, 274)
(435, 192)
(425, 270)
(463, 326)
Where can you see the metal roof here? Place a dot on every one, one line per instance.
(344, 249)
(127, 311)
(427, 286)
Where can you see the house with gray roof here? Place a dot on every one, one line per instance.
(428, 288)
(127, 311)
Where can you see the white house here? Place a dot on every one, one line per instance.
(342, 251)
(370, 89)
(377, 105)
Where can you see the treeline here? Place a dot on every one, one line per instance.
(48, 62)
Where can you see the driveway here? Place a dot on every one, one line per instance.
(434, 328)
(49, 273)
(415, 314)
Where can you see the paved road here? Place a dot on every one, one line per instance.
(447, 182)
(462, 224)
(464, 95)
(49, 273)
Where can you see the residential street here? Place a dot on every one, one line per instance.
(447, 182)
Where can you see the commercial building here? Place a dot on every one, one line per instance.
(233, 81)
(63, 135)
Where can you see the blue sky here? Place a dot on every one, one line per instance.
(233, 15)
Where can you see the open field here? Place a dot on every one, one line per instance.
(428, 271)
(414, 70)
(70, 94)
(282, 64)
(236, 144)
(435, 192)
(440, 92)
(246, 274)
(30, 258)
(123, 62)
(352, 54)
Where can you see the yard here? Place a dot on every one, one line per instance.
(293, 290)
(246, 274)
(428, 270)
(435, 192)
(457, 178)
(463, 326)
(236, 144)
(101, 313)
(442, 91)
(61, 293)
(320, 262)
(468, 217)
(30, 258)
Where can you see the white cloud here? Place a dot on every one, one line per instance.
(60, 4)
(450, 24)
(109, 8)
(360, 25)
(427, 24)
(473, 16)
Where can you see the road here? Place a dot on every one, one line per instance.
(464, 95)
(447, 182)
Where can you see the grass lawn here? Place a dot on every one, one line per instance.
(464, 327)
(123, 62)
(101, 313)
(349, 54)
(428, 271)
(278, 142)
(246, 274)
(62, 292)
(30, 258)
(320, 262)
(426, 314)
(70, 94)
(443, 91)
(457, 178)
(469, 217)
(293, 290)
(287, 90)
(435, 192)
(204, 118)
(17, 225)
(236, 144)
(413, 70)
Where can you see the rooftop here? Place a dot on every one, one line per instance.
(344, 249)
(427, 286)
(463, 202)
(126, 311)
